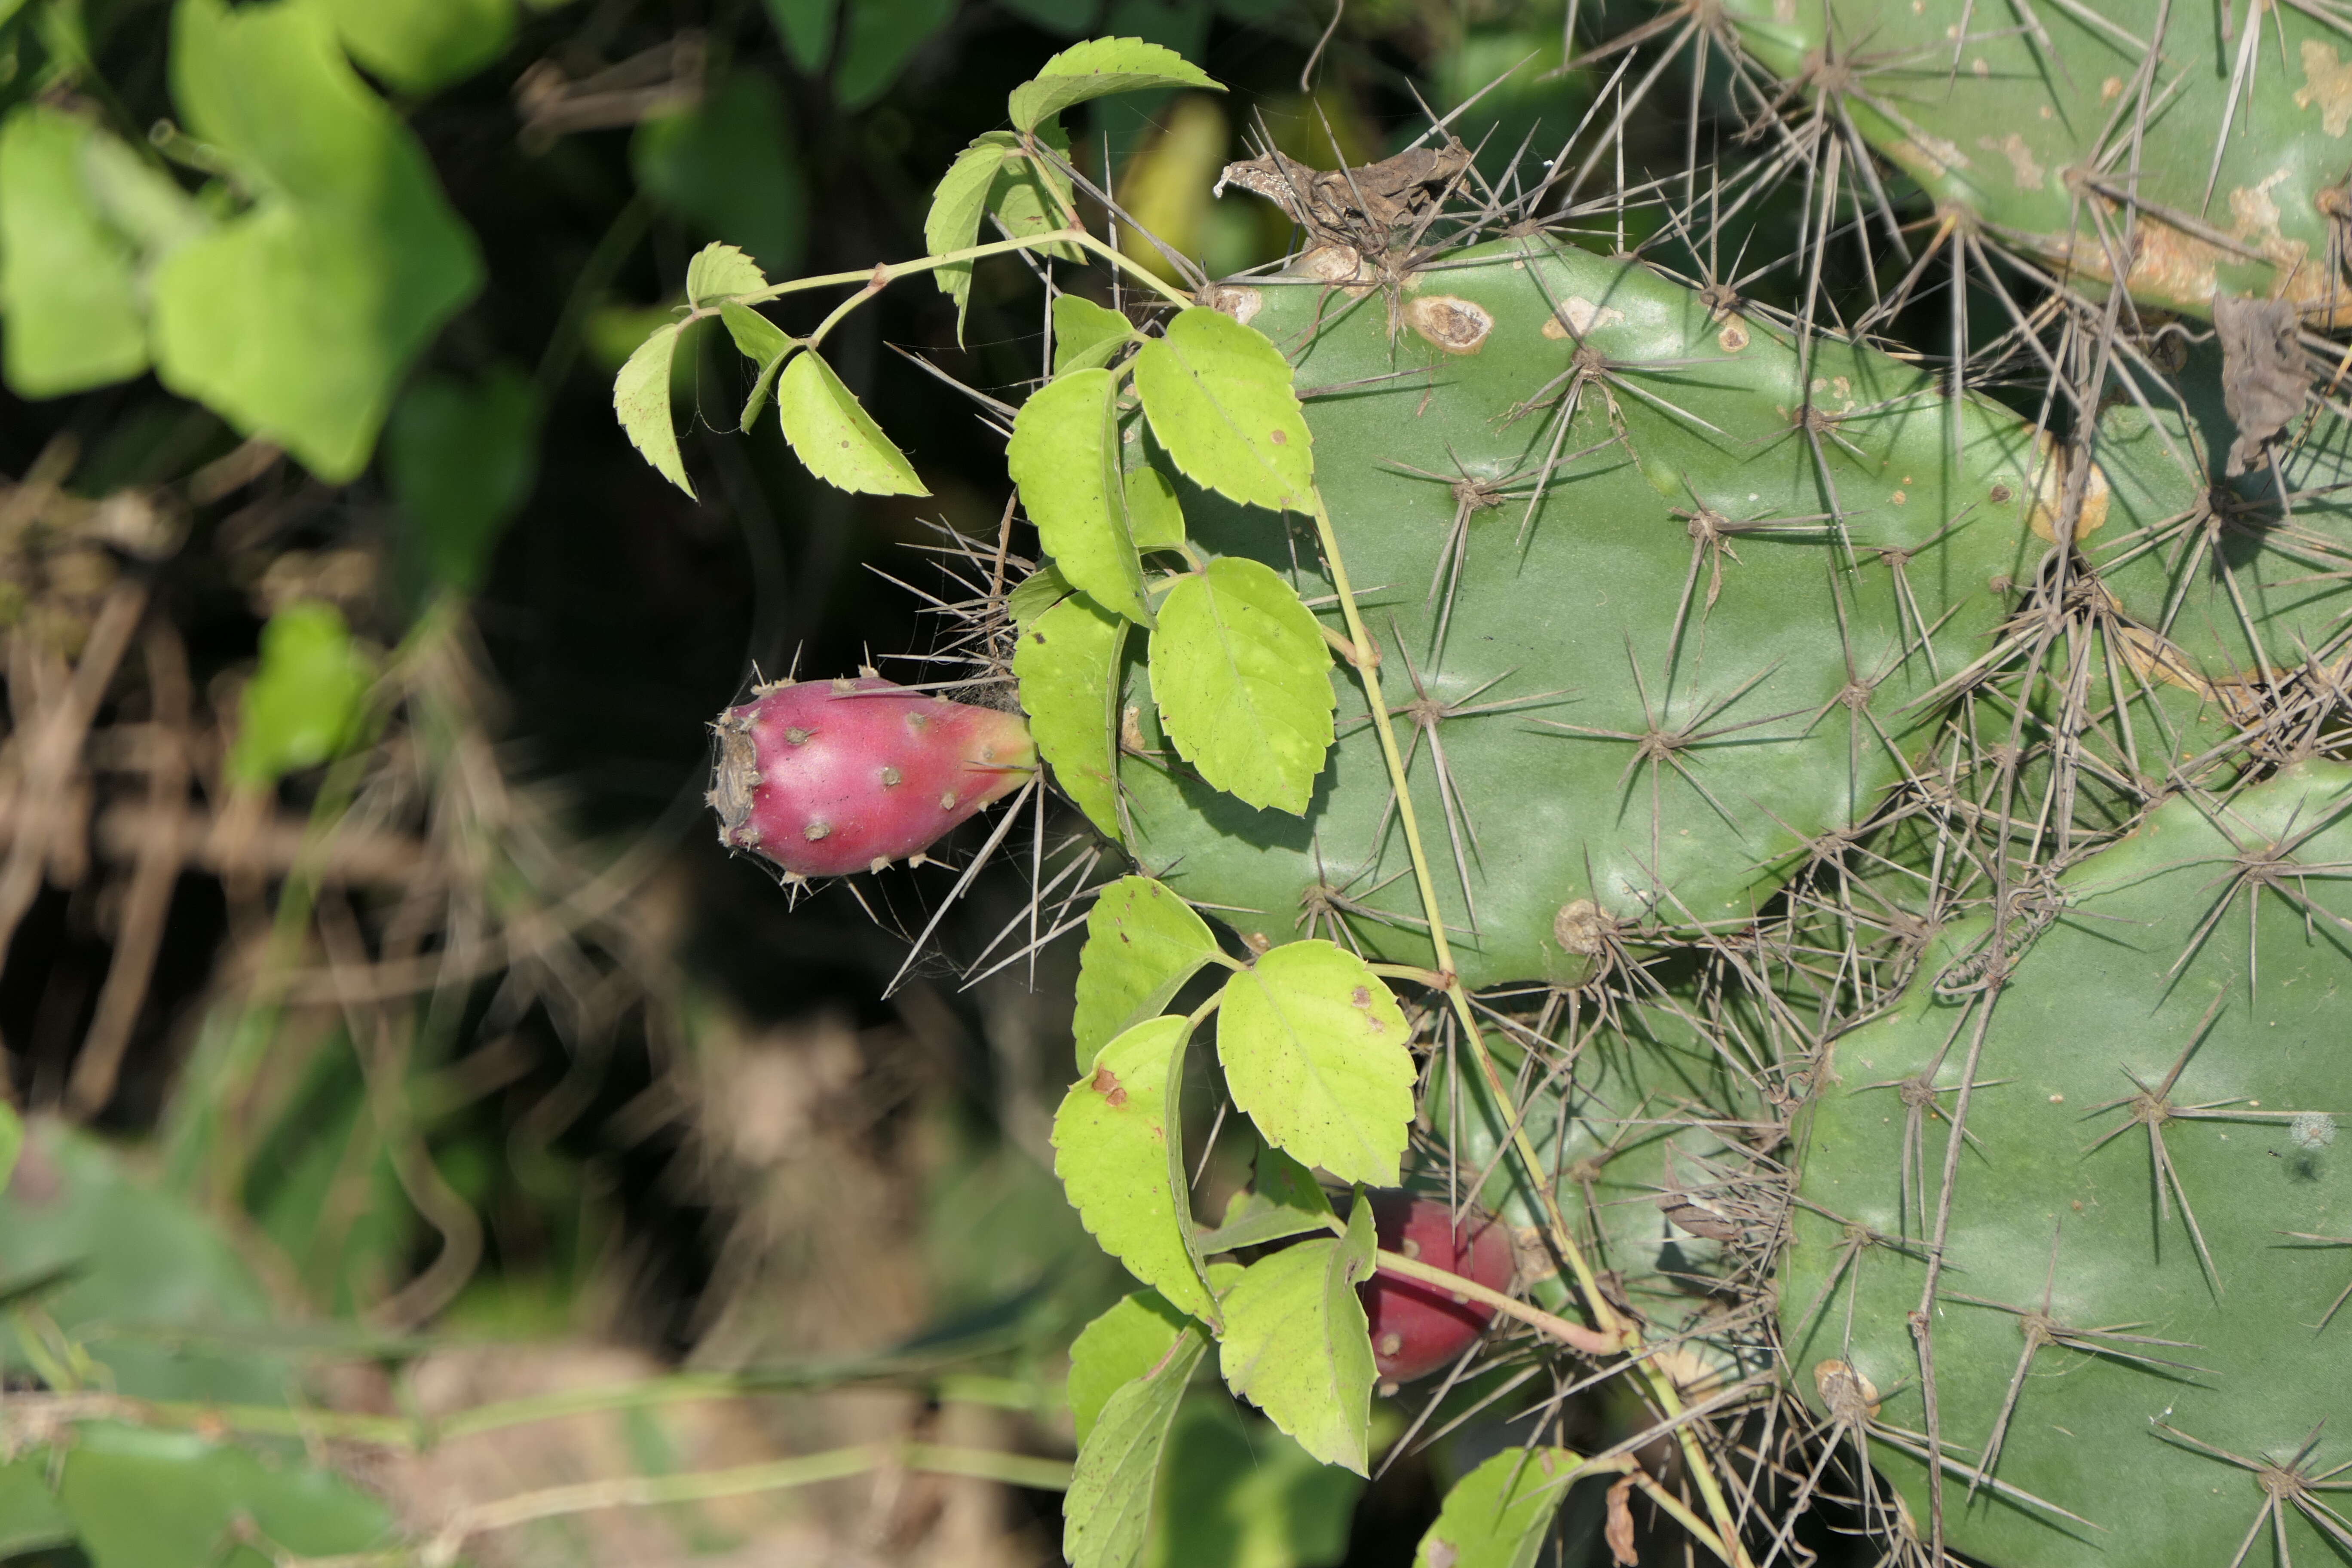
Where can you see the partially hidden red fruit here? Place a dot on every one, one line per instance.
(827, 777)
(1418, 1329)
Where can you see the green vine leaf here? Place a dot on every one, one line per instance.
(1283, 1202)
(1064, 456)
(1142, 944)
(641, 401)
(722, 272)
(1097, 69)
(1119, 1150)
(1155, 517)
(1119, 1347)
(1240, 671)
(1296, 1344)
(995, 176)
(762, 343)
(1034, 594)
(307, 702)
(1220, 399)
(1313, 1050)
(1106, 1516)
(1500, 1514)
(1086, 334)
(832, 434)
(1066, 660)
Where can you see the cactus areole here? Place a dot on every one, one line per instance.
(822, 778)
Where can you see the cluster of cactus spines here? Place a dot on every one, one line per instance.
(2194, 150)
(1877, 772)
(825, 778)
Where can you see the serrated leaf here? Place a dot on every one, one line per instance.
(1064, 456)
(831, 433)
(1034, 594)
(1220, 398)
(1240, 671)
(958, 203)
(1155, 518)
(1296, 1344)
(1284, 1201)
(994, 175)
(641, 401)
(1142, 944)
(1085, 334)
(1067, 660)
(1313, 1050)
(67, 283)
(1119, 1148)
(1106, 1514)
(1119, 1347)
(722, 271)
(1097, 69)
(1500, 1514)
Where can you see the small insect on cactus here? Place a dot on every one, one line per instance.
(822, 778)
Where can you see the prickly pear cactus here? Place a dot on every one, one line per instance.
(1833, 843)
(2207, 144)
(1657, 596)
(2130, 1323)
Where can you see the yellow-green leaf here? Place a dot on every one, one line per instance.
(832, 434)
(1067, 661)
(1242, 675)
(1064, 457)
(1220, 398)
(1314, 1050)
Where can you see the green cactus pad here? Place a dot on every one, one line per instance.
(2027, 126)
(1680, 583)
(2150, 951)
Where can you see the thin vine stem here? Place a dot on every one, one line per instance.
(1616, 1332)
(882, 274)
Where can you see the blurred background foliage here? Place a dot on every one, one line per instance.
(419, 1111)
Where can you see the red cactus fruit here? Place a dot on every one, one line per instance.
(827, 777)
(1418, 1327)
